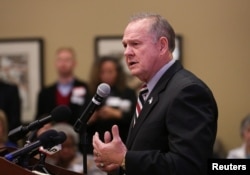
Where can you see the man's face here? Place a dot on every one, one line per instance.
(141, 50)
(108, 72)
(65, 63)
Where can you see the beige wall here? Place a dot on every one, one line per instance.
(216, 40)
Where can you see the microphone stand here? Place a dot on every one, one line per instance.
(40, 165)
(80, 125)
(84, 143)
(42, 156)
(81, 128)
(24, 160)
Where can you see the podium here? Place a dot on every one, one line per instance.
(9, 168)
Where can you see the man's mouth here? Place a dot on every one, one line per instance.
(132, 63)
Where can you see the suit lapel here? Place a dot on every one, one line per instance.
(151, 101)
(149, 104)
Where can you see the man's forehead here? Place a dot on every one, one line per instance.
(140, 23)
(135, 30)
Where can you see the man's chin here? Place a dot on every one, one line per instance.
(65, 74)
(134, 72)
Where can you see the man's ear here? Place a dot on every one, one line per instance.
(163, 44)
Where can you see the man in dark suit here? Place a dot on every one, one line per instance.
(10, 103)
(67, 90)
(175, 131)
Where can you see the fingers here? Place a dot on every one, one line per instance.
(97, 143)
(96, 139)
(107, 137)
(108, 167)
(96, 153)
(115, 132)
(107, 154)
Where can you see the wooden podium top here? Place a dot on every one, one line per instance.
(10, 168)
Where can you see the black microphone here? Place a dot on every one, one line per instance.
(51, 150)
(102, 92)
(43, 152)
(60, 138)
(60, 113)
(47, 139)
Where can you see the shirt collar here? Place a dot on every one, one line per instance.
(65, 89)
(151, 84)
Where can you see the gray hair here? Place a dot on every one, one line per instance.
(68, 130)
(160, 27)
(244, 124)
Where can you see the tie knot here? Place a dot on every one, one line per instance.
(143, 91)
(141, 100)
(143, 88)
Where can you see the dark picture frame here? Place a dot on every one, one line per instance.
(21, 63)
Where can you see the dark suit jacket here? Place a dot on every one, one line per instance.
(176, 129)
(10, 103)
(47, 101)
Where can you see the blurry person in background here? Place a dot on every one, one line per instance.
(242, 152)
(45, 128)
(10, 103)
(118, 108)
(4, 142)
(67, 90)
(69, 157)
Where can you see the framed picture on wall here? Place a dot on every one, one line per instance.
(112, 46)
(21, 63)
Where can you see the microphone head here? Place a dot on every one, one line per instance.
(60, 138)
(61, 113)
(51, 141)
(51, 138)
(103, 90)
(46, 137)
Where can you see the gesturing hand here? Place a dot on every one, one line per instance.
(108, 155)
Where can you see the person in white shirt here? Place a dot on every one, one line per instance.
(242, 152)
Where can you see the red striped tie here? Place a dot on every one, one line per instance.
(141, 100)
